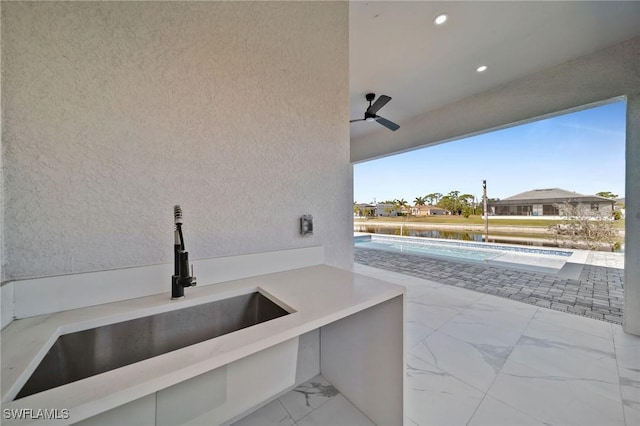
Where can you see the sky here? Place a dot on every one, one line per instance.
(581, 151)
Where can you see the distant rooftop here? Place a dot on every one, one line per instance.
(544, 194)
(550, 196)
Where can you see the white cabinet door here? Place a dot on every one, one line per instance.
(141, 412)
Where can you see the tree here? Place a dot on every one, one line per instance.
(434, 196)
(455, 199)
(429, 198)
(419, 201)
(464, 205)
(582, 227)
(607, 194)
(446, 203)
(467, 199)
(401, 203)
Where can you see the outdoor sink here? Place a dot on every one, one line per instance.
(83, 354)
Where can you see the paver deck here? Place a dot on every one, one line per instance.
(597, 293)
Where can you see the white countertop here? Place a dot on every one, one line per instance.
(319, 295)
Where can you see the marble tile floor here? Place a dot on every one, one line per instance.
(314, 403)
(478, 359)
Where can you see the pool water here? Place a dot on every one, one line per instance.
(527, 258)
(433, 249)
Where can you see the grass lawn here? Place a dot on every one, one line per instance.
(473, 220)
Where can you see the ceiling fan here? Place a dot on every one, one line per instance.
(370, 113)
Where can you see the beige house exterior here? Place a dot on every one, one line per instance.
(428, 211)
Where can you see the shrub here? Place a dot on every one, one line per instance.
(582, 227)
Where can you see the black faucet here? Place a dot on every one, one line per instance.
(182, 276)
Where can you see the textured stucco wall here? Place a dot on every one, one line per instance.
(114, 112)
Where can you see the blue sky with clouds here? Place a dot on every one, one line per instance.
(582, 152)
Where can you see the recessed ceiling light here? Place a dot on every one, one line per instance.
(441, 19)
(482, 68)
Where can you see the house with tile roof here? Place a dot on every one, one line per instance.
(427, 211)
(548, 202)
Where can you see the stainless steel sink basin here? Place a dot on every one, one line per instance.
(83, 354)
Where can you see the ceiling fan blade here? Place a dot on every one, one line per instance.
(360, 119)
(382, 101)
(388, 124)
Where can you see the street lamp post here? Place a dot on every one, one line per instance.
(486, 213)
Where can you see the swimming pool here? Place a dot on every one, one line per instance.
(537, 259)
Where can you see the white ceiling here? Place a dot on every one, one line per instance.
(396, 50)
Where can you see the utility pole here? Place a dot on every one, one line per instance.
(486, 212)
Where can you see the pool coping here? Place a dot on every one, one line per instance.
(574, 259)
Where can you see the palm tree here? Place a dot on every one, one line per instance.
(419, 201)
(401, 203)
